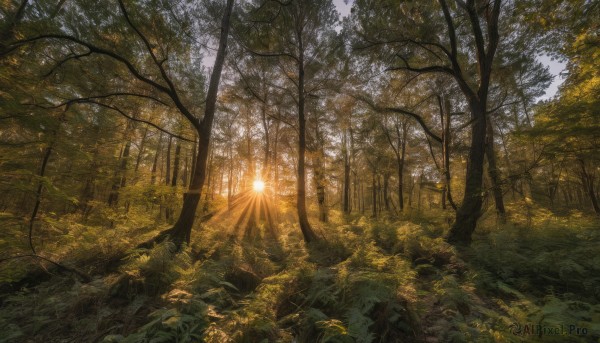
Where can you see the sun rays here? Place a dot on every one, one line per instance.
(249, 214)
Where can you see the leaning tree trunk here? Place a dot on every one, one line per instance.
(181, 231)
(470, 210)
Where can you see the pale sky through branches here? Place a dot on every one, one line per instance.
(344, 6)
(343, 9)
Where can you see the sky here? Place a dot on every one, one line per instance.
(342, 8)
(555, 69)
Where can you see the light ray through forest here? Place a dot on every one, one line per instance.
(250, 214)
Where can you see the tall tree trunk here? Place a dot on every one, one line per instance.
(470, 209)
(42, 174)
(186, 164)
(565, 195)
(138, 160)
(38, 194)
(87, 193)
(307, 231)
(494, 172)
(399, 148)
(266, 169)
(221, 177)
(400, 160)
(193, 157)
(275, 161)
(209, 181)
(587, 180)
(166, 200)
(181, 231)
(444, 190)
(120, 177)
(361, 196)
(411, 190)
(230, 178)
(386, 198)
(420, 193)
(319, 176)
(168, 177)
(176, 164)
(155, 161)
(124, 162)
(355, 197)
(379, 195)
(346, 190)
(446, 138)
(175, 175)
(374, 194)
(320, 187)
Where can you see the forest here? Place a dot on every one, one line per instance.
(299, 171)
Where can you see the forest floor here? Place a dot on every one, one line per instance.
(536, 278)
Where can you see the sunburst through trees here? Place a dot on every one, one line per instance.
(250, 214)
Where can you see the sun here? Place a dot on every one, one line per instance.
(258, 186)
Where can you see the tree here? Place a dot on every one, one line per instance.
(570, 123)
(300, 36)
(153, 45)
(442, 38)
(182, 229)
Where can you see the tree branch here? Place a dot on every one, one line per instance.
(121, 112)
(68, 58)
(415, 116)
(159, 64)
(101, 51)
(424, 70)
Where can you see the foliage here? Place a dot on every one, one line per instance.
(374, 119)
(369, 281)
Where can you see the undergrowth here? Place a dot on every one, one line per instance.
(365, 281)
